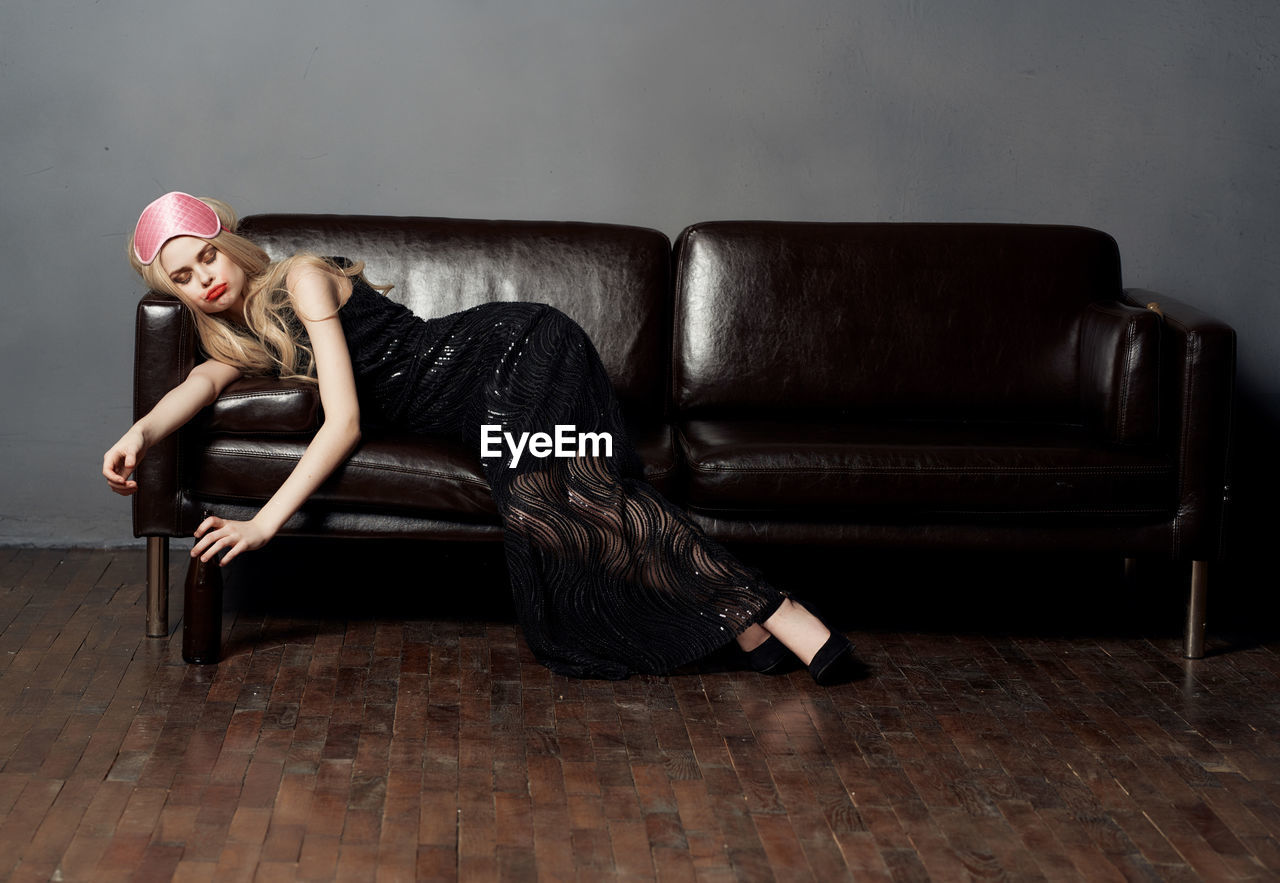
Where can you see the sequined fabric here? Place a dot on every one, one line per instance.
(608, 577)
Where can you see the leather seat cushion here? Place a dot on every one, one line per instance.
(391, 470)
(822, 467)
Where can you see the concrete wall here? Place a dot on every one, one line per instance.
(1155, 121)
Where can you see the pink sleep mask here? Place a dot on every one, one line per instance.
(174, 214)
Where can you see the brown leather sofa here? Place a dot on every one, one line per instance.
(909, 385)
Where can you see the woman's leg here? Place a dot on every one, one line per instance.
(608, 576)
(753, 637)
(802, 632)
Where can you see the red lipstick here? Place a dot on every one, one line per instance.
(216, 292)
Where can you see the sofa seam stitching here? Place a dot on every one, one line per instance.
(1124, 383)
(376, 466)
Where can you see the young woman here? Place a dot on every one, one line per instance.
(608, 577)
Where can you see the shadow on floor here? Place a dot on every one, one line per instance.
(991, 593)
(367, 579)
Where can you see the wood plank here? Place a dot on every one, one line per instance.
(356, 745)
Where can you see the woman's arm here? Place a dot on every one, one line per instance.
(202, 386)
(315, 293)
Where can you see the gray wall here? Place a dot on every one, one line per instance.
(1155, 121)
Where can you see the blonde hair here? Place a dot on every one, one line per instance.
(272, 341)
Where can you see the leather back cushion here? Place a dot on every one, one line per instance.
(925, 320)
(614, 280)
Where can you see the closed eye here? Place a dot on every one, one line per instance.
(206, 256)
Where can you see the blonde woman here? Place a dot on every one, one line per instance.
(608, 577)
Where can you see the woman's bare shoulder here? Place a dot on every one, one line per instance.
(316, 288)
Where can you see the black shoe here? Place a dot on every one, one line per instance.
(834, 663)
(771, 658)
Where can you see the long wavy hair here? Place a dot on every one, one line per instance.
(272, 341)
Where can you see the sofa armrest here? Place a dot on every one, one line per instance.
(164, 354)
(1120, 372)
(1198, 368)
(263, 406)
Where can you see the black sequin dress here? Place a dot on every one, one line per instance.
(608, 577)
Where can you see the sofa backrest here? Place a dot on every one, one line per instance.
(851, 319)
(614, 280)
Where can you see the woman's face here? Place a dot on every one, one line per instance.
(206, 278)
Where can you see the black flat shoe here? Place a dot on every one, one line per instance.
(771, 658)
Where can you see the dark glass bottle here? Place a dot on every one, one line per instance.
(202, 613)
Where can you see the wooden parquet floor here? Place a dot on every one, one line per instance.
(344, 738)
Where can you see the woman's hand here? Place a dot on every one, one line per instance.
(201, 387)
(119, 463)
(217, 533)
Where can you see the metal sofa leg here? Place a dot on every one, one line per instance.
(157, 587)
(1196, 610)
(1130, 569)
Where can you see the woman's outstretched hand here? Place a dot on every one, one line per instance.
(119, 463)
(217, 533)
